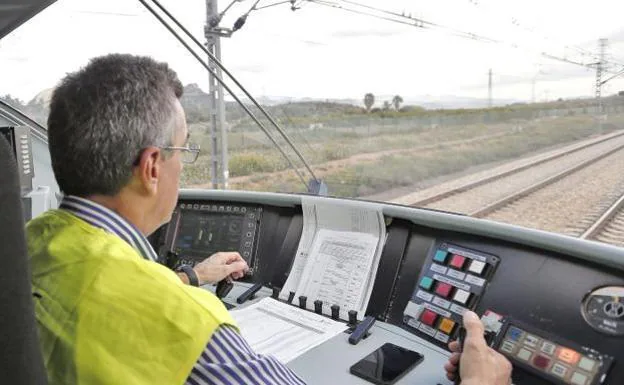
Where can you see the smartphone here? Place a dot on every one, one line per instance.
(386, 365)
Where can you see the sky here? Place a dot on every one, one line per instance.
(324, 52)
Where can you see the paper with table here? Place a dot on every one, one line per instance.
(284, 331)
(338, 255)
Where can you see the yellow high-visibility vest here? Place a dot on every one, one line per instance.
(107, 316)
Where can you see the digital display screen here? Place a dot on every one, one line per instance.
(387, 364)
(203, 234)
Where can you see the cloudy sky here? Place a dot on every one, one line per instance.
(323, 52)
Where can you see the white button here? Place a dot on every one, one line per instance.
(578, 379)
(549, 348)
(413, 310)
(524, 354)
(461, 296)
(587, 364)
(476, 266)
(559, 370)
(531, 341)
(508, 346)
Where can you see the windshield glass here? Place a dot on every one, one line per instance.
(510, 111)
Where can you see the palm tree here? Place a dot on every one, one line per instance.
(369, 100)
(397, 100)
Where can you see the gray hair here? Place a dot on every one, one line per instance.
(103, 115)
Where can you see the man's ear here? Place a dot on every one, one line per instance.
(147, 172)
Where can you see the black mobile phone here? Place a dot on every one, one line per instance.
(387, 364)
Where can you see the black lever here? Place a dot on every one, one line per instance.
(223, 287)
(361, 331)
(461, 338)
(318, 306)
(249, 293)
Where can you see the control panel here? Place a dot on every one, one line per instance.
(452, 280)
(200, 230)
(19, 139)
(551, 357)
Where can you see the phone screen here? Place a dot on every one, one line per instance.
(386, 364)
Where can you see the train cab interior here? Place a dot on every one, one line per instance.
(385, 271)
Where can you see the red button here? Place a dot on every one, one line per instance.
(443, 289)
(541, 361)
(428, 317)
(458, 261)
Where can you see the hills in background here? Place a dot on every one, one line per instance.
(195, 101)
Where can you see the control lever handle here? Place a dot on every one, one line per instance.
(249, 293)
(224, 287)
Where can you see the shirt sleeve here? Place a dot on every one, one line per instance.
(228, 359)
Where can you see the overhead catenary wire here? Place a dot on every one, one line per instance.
(229, 74)
(425, 24)
(247, 110)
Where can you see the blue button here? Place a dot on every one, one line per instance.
(426, 283)
(515, 334)
(440, 256)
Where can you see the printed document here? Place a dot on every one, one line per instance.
(338, 255)
(284, 331)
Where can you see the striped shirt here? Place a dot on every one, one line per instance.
(227, 359)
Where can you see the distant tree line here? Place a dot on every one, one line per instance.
(369, 102)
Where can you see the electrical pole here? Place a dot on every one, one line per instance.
(490, 88)
(219, 154)
(600, 68)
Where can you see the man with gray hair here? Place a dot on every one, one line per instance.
(107, 312)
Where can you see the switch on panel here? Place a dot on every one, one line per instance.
(426, 283)
(457, 261)
(429, 317)
(443, 289)
(440, 256)
(476, 267)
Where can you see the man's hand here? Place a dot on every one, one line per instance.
(479, 364)
(219, 266)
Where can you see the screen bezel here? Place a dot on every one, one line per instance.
(357, 370)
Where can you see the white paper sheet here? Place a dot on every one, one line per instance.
(303, 251)
(338, 271)
(338, 255)
(284, 331)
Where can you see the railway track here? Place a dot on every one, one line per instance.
(469, 194)
(581, 196)
(609, 227)
(497, 205)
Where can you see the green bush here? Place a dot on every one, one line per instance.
(251, 162)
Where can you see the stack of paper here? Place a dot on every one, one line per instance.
(284, 331)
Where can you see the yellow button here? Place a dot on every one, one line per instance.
(446, 325)
(568, 355)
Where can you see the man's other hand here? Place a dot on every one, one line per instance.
(219, 266)
(479, 364)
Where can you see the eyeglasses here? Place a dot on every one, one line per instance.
(189, 153)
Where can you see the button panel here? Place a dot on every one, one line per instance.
(566, 362)
(452, 281)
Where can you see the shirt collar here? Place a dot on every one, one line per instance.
(106, 219)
